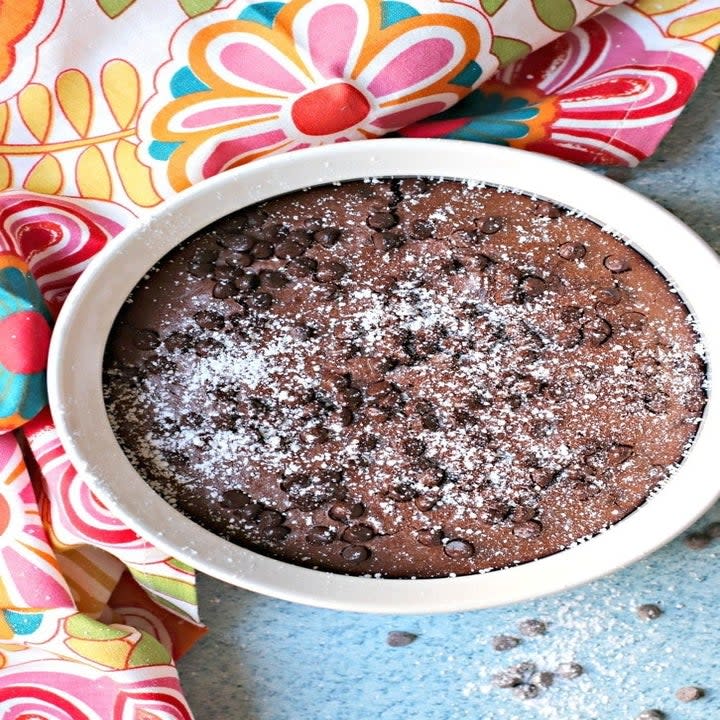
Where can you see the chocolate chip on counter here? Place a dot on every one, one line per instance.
(358, 534)
(381, 220)
(689, 693)
(223, 289)
(144, 339)
(345, 511)
(648, 611)
(526, 691)
(543, 679)
(507, 678)
(320, 535)
(532, 627)
(459, 549)
(209, 320)
(572, 251)
(713, 530)
(430, 537)
(263, 251)
(355, 553)
(547, 209)
(501, 643)
(597, 331)
(491, 225)
(651, 715)
(570, 670)
(616, 264)
(327, 237)
(528, 530)
(234, 499)
(400, 638)
(421, 229)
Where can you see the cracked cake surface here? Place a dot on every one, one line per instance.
(404, 378)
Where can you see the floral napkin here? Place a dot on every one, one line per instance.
(107, 107)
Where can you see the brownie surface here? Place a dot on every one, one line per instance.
(404, 378)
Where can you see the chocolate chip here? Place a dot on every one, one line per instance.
(385, 241)
(651, 715)
(289, 249)
(713, 530)
(328, 236)
(381, 220)
(209, 320)
(697, 540)
(302, 266)
(501, 643)
(572, 251)
(648, 612)
(275, 534)
(421, 229)
(494, 513)
(526, 691)
(547, 209)
(618, 453)
(597, 331)
(269, 518)
(145, 339)
(245, 282)
(633, 321)
(414, 447)
(543, 679)
(426, 501)
(320, 535)
(239, 243)
(223, 289)
(506, 679)
(430, 537)
(358, 534)
(200, 270)
(249, 511)
(346, 416)
(331, 272)
(235, 499)
(403, 491)
(528, 530)
(657, 403)
(355, 553)
(570, 670)
(491, 225)
(207, 254)
(260, 301)
(263, 251)
(273, 279)
(532, 627)
(616, 264)
(345, 511)
(351, 397)
(458, 549)
(532, 286)
(400, 638)
(240, 260)
(608, 296)
(689, 693)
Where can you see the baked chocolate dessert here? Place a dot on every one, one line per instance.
(404, 378)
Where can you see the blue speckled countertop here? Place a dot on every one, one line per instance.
(266, 659)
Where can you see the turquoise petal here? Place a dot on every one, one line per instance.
(393, 12)
(262, 13)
